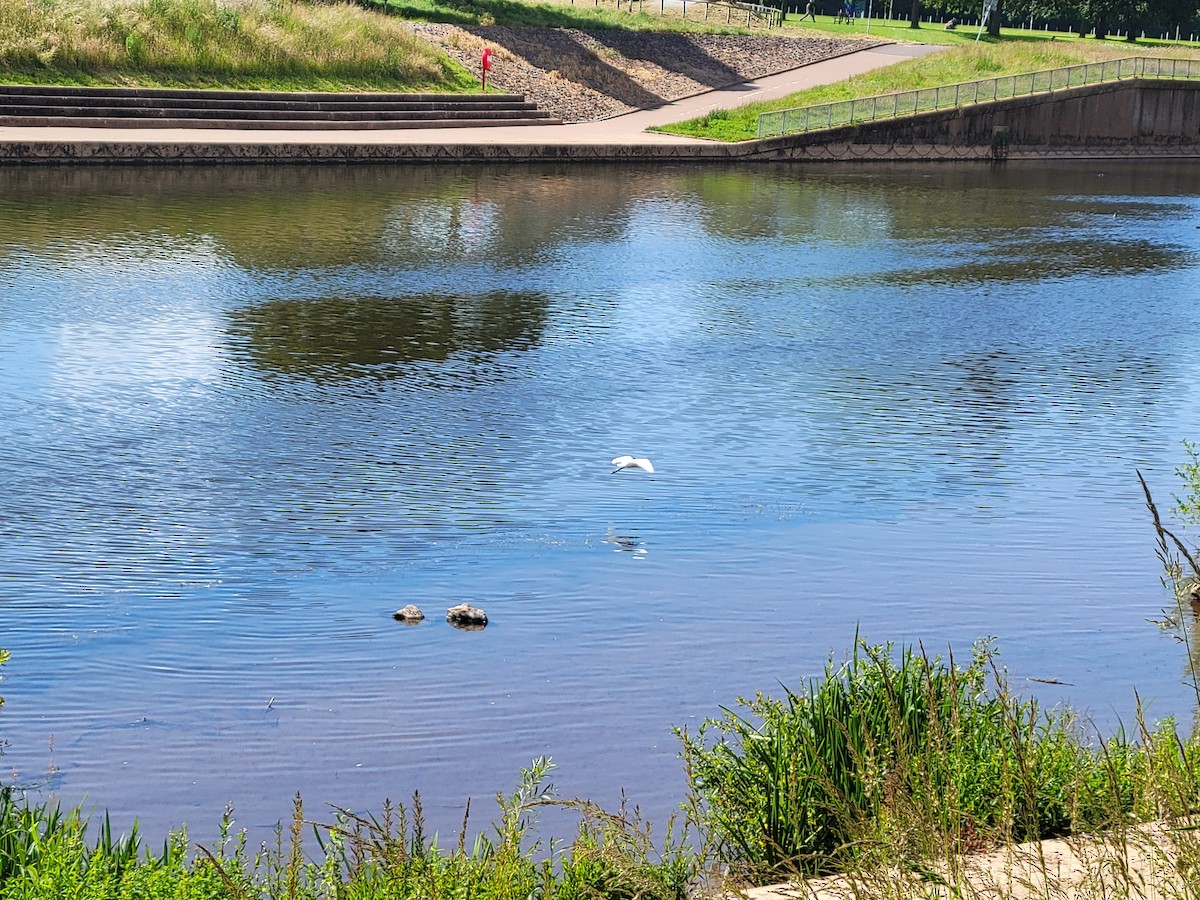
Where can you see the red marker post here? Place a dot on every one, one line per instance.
(487, 65)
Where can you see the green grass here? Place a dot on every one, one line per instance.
(967, 62)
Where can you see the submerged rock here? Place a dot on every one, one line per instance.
(467, 617)
(409, 615)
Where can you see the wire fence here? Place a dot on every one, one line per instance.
(907, 103)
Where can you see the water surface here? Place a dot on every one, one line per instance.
(248, 413)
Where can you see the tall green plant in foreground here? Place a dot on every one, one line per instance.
(889, 759)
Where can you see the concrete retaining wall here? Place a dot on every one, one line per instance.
(1136, 118)
(1128, 118)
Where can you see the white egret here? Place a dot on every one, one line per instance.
(629, 462)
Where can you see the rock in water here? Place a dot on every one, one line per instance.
(466, 616)
(410, 615)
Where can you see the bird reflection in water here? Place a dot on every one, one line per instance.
(626, 543)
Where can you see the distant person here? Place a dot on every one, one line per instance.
(847, 14)
(952, 24)
(808, 12)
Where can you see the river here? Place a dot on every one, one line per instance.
(247, 413)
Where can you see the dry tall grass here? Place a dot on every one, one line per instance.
(252, 43)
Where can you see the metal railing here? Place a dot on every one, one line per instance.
(907, 103)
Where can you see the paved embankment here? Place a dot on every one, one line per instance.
(620, 138)
(109, 107)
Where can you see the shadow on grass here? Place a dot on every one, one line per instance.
(475, 12)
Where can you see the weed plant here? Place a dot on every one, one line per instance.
(887, 761)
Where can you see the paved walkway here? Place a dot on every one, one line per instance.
(626, 130)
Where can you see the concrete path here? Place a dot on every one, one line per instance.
(625, 130)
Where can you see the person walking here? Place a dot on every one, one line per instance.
(808, 12)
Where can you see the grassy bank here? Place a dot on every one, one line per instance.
(968, 62)
(202, 43)
(266, 44)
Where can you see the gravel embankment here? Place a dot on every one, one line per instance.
(581, 76)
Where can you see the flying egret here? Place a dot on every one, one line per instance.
(628, 462)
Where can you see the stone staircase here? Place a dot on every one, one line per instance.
(162, 108)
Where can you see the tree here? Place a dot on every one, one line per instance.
(914, 16)
(993, 19)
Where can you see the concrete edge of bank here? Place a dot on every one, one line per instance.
(74, 153)
(1130, 119)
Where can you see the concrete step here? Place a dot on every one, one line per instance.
(264, 124)
(166, 108)
(270, 115)
(133, 103)
(257, 96)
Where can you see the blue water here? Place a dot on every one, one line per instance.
(247, 414)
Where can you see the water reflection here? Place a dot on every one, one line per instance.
(1038, 260)
(288, 217)
(341, 337)
(626, 543)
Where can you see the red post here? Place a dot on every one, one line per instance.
(487, 64)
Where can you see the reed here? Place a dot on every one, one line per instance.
(899, 760)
